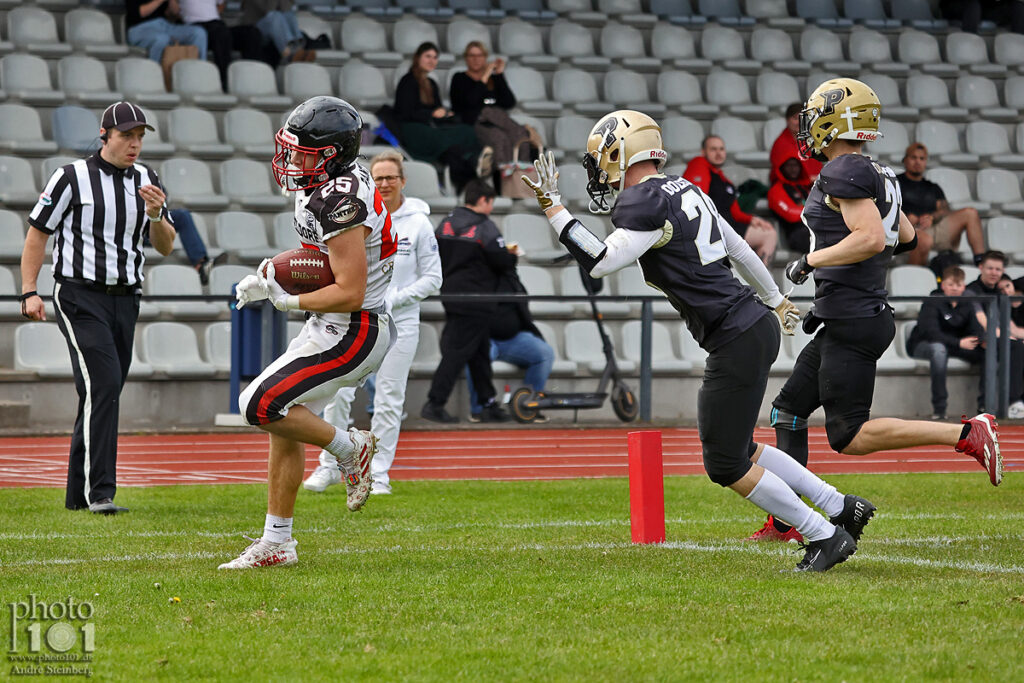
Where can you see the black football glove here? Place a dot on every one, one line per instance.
(798, 270)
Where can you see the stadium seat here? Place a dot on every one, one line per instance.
(740, 141)
(144, 79)
(663, 358)
(534, 236)
(892, 145)
(1006, 234)
(539, 282)
(979, 94)
(723, 45)
(188, 183)
(314, 26)
(1001, 188)
(917, 13)
(154, 147)
(217, 345)
(198, 83)
(571, 132)
(888, 93)
(625, 44)
(682, 136)
(168, 279)
(250, 132)
(615, 7)
(284, 233)
(869, 13)
(777, 90)
(675, 45)
(461, 31)
(12, 236)
(728, 91)
(367, 38)
(523, 42)
(76, 129)
(91, 31)
(194, 130)
(869, 47)
(40, 347)
(34, 30)
(775, 47)
(943, 143)
(630, 282)
(243, 234)
(628, 89)
(820, 47)
(968, 51)
(9, 310)
(428, 351)
(21, 132)
(422, 182)
(171, 347)
(84, 80)
(303, 80)
(531, 93)
(573, 43)
(223, 278)
(921, 50)
(991, 141)
(955, 186)
(725, 12)
(249, 184)
(689, 349)
(1009, 49)
(363, 85)
(560, 366)
(681, 90)
(253, 83)
(909, 281)
(409, 31)
(577, 88)
(571, 284)
(573, 185)
(1013, 92)
(583, 346)
(27, 78)
(931, 94)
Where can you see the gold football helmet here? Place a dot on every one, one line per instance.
(841, 108)
(619, 140)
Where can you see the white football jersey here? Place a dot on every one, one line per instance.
(349, 201)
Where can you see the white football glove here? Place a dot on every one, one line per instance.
(282, 300)
(546, 187)
(250, 289)
(788, 315)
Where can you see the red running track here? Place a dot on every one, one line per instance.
(506, 454)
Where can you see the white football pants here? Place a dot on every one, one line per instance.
(392, 376)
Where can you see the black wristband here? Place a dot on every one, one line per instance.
(28, 295)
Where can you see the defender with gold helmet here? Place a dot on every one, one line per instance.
(839, 109)
(616, 142)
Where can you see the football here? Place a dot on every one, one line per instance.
(299, 271)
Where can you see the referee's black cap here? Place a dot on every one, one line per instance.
(124, 116)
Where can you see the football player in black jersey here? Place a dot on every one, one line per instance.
(856, 224)
(685, 249)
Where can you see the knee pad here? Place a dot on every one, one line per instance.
(781, 419)
(724, 470)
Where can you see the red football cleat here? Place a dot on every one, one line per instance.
(769, 533)
(982, 444)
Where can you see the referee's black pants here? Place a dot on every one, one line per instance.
(99, 329)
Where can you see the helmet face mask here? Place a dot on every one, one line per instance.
(319, 141)
(838, 109)
(619, 140)
(297, 167)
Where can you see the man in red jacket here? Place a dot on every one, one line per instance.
(785, 147)
(706, 173)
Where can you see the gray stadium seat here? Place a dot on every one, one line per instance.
(363, 85)
(250, 132)
(248, 183)
(871, 47)
(40, 347)
(461, 31)
(523, 42)
(823, 12)
(27, 78)
(1009, 49)
(303, 80)
(422, 182)
(955, 186)
(820, 47)
(628, 89)
(9, 310)
(630, 282)
(583, 346)
(84, 79)
(663, 358)
(172, 348)
(314, 26)
(1001, 188)
(539, 281)
(1006, 234)
(917, 13)
(367, 38)
(76, 129)
(891, 146)
(729, 91)
(968, 51)
(253, 83)
(12, 236)
(574, 43)
(144, 79)
(577, 88)
(675, 44)
(194, 130)
(909, 281)
(534, 236)
(91, 31)
(689, 349)
(868, 12)
(22, 133)
(34, 30)
(681, 135)
(560, 366)
(724, 46)
(777, 90)
(931, 94)
(223, 278)
(572, 182)
(198, 83)
(921, 50)
(409, 31)
(991, 141)
(740, 141)
(625, 44)
(979, 94)
(1013, 92)
(570, 284)
(284, 233)
(681, 90)
(774, 46)
(189, 184)
(943, 143)
(530, 91)
(888, 93)
(217, 345)
(571, 132)
(428, 351)
(169, 278)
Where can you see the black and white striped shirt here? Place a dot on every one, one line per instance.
(99, 218)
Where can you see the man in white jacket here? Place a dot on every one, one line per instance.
(416, 276)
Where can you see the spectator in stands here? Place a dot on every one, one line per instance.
(429, 131)
(192, 243)
(938, 226)
(481, 98)
(474, 258)
(945, 328)
(972, 12)
(149, 26)
(277, 22)
(206, 14)
(786, 199)
(705, 172)
(785, 147)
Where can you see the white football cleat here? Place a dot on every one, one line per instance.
(260, 553)
(322, 477)
(356, 468)
(380, 488)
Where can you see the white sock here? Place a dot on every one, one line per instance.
(277, 529)
(772, 495)
(802, 480)
(342, 448)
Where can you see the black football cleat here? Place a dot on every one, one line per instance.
(827, 553)
(856, 514)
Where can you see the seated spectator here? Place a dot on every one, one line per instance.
(706, 173)
(786, 199)
(481, 98)
(474, 258)
(938, 226)
(192, 243)
(785, 147)
(206, 14)
(945, 328)
(279, 26)
(429, 131)
(149, 25)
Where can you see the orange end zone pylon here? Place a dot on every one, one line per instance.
(646, 488)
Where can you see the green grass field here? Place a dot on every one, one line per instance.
(526, 581)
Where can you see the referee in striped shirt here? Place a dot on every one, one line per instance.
(100, 209)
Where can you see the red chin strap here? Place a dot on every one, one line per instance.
(295, 176)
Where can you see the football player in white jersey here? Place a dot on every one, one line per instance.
(417, 275)
(348, 331)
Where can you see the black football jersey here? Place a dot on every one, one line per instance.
(689, 264)
(855, 290)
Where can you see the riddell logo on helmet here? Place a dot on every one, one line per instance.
(288, 136)
(864, 135)
(659, 154)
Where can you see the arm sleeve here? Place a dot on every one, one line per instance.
(623, 248)
(699, 173)
(783, 205)
(52, 204)
(749, 266)
(407, 102)
(428, 269)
